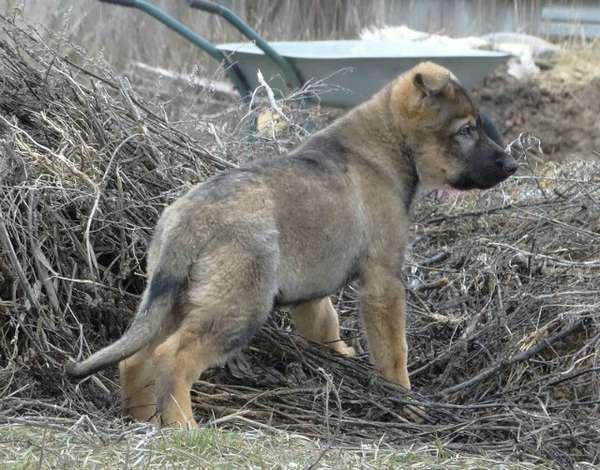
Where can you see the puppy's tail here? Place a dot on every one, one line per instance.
(166, 283)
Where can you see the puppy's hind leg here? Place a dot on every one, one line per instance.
(137, 373)
(180, 361)
(138, 397)
(318, 321)
(230, 294)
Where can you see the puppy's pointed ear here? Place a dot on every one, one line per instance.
(431, 84)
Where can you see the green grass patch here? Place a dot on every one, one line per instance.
(75, 445)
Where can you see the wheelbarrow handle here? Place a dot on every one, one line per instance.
(291, 73)
(232, 70)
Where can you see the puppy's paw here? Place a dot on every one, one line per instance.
(342, 348)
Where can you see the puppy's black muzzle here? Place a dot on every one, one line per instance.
(486, 167)
(493, 166)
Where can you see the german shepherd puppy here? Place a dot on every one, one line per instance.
(292, 230)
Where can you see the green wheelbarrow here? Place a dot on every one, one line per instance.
(348, 71)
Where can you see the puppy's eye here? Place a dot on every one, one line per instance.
(466, 130)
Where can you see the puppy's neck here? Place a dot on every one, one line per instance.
(371, 133)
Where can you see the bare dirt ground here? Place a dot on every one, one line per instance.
(561, 105)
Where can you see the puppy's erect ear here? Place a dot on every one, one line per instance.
(433, 83)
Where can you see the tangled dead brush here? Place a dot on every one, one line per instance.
(503, 290)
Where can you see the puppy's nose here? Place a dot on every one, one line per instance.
(507, 164)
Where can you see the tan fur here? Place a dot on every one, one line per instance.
(318, 321)
(290, 232)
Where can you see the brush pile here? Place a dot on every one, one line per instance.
(503, 285)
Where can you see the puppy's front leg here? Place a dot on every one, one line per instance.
(383, 312)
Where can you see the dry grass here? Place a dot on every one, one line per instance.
(578, 64)
(37, 442)
(502, 289)
(126, 35)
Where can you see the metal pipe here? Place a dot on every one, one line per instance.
(292, 74)
(231, 69)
